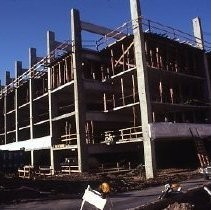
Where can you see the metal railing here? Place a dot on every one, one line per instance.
(39, 68)
(123, 135)
(150, 26)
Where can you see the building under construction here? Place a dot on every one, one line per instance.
(141, 94)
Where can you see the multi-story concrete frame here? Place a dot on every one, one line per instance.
(124, 101)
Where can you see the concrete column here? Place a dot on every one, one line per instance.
(7, 79)
(7, 82)
(18, 71)
(5, 118)
(50, 47)
(32, 61)
(143, 87)
(197, 30)
(80, 113)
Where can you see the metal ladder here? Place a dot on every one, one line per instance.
(200, 148)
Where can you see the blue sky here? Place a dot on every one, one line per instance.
(23, 23)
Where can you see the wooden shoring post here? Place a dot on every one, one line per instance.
(153, 117)
(87, 132)
(104, 102)
(161, 57)
(103, 76)
(157, 58)
(55, 76)
(123, 57)
(108, 72)
(134, 89)
(53, 85)
(122, 88)
(161, 91)
(146, 52)
(66, 128)
(128, 59)
(43, 84)
(92, 132)
(154, 59)
(59, 74)
(174, 117)
(69, 128)
(176, 58)
(114, 101)
(70, 71)
(102, 72)
(112, 61)
(171, 95)
(150, 55)
(93, 71)
(63, 73)
(66, 70)
(167, 57)
(52, 77)
(134, 116)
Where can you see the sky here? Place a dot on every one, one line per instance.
(24, 23)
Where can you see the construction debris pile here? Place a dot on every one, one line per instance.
(72, 186)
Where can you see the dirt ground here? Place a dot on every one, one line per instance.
(14, 189)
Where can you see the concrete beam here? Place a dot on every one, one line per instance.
(93, 85)
(143, 87)
(166, 131)
(107, 117)
(96, 29)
